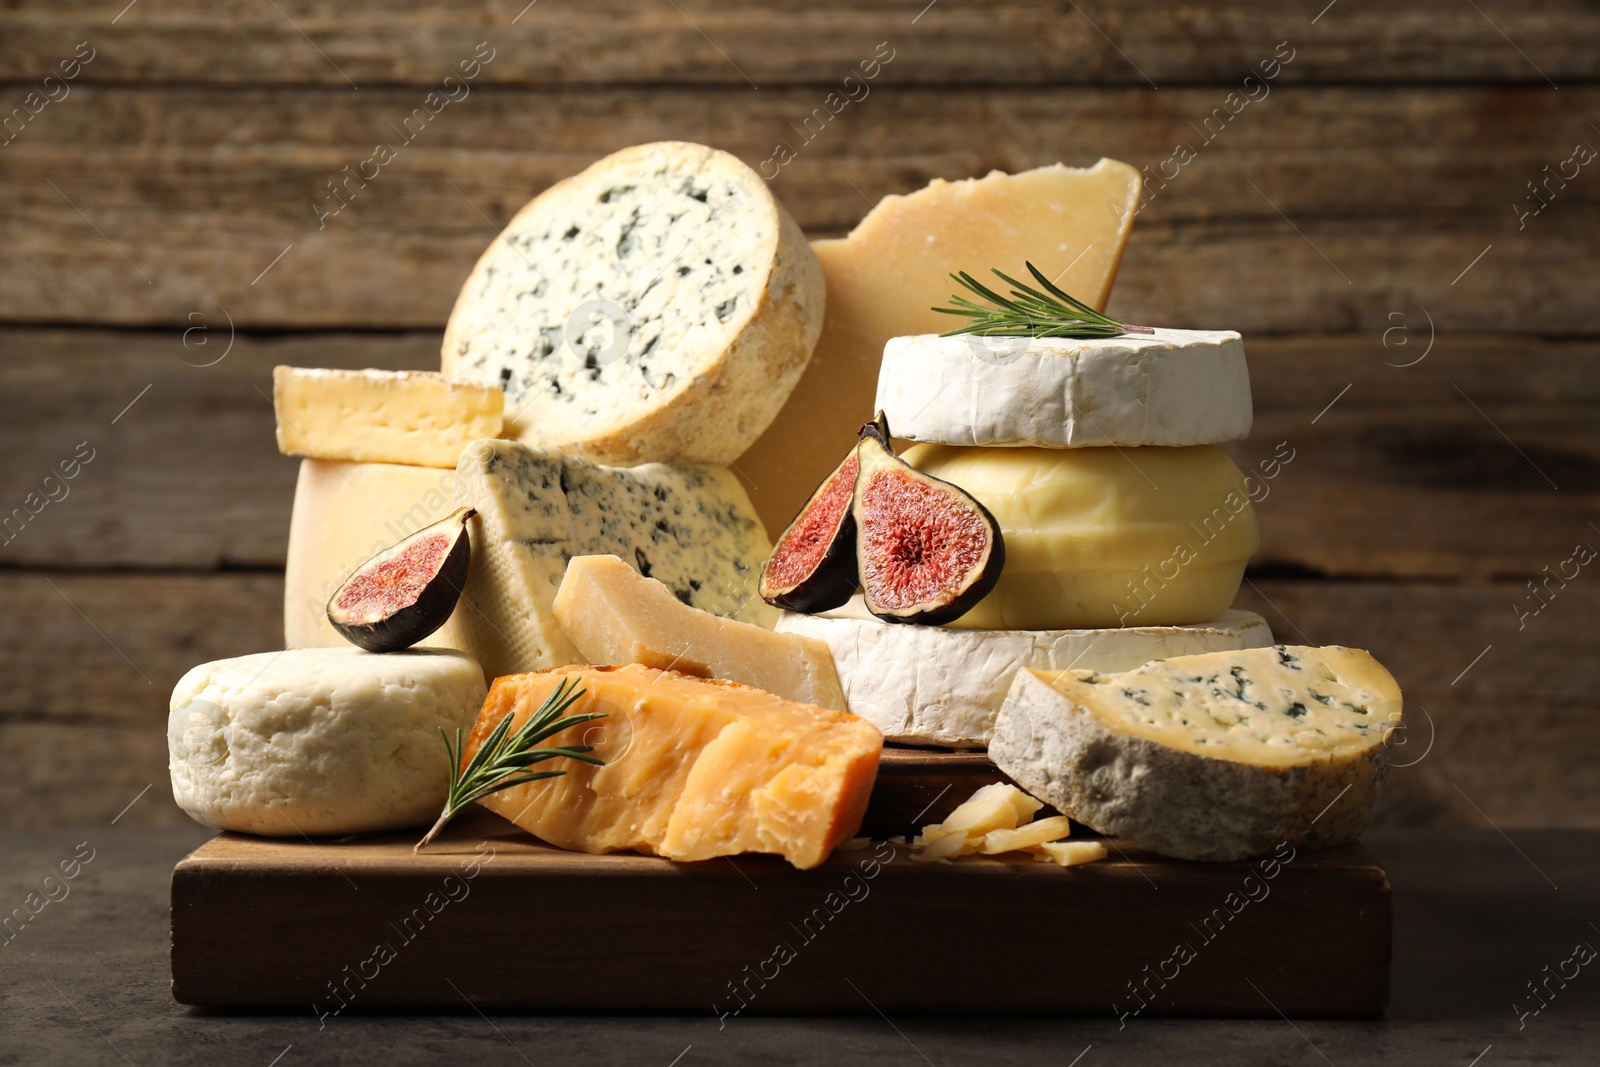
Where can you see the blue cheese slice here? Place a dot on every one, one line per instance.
(659, 306)
(1169, 387)
(692, 528)
(1210, 757)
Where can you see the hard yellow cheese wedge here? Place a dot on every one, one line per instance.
(616, 615)
(883, 279)
(382, 416)
(694, 768)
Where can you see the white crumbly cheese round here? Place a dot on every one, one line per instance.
(1209, 757)
(931, 685)
(658, 307)
(1170, 387)
(319, 741)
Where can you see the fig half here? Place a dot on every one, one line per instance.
(406, 592)
(813, 566)
(926, 550)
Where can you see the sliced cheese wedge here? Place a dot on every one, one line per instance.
(694, 768)
(616, 615)
(894, 267)
(382, 416)
(1211, 757)
(1170, 387)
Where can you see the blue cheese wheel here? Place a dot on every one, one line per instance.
(658, 307)
(1211, 757)
(319, 741)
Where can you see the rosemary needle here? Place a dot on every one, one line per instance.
(1029, 312)
(502, 760)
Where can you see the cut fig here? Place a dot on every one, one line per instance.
(406, 592)
(926, 550)
(813, 566)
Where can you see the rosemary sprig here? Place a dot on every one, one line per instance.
(1030, 312)
(502, 760)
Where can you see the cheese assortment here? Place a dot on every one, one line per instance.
(1213, 757)
(941, 685)
(693, 768)
(614, 615)
(1047, 571)
(382, 416)
(1166, 387)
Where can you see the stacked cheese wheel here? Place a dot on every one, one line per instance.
(1126, 530)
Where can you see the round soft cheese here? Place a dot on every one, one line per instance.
(658, 307)
(319, 741)
(1104, 537)
(1169, 387)
(932, 685)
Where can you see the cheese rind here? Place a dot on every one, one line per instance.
(1170, 387)
(344, 514)
(1211, 757)
(694, 768)
(714, 301)
(692, 528)
(894, 267)
(615, 615)
(933, 685)
(1102, 537)
(381, 416)
(319, 741)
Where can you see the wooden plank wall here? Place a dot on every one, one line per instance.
(1429, 354)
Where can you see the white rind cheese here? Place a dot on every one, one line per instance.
(658, 307)
(319, 741)
(1172, 387)
(691, 528)
(931, 685)
(1211, 757)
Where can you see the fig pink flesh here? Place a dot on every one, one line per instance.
(916, 547)
(382, 589)
(803, 545)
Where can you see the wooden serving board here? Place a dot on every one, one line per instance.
(491, 914)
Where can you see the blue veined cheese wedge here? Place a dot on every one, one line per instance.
(692, 528)
(1212, 757)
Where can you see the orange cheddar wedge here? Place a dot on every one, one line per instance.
(694, 768)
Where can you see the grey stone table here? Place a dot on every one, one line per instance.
(1479, 918)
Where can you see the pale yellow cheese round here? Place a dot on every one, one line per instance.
(1105, 537)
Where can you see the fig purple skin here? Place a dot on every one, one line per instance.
(926, 550)
(813, 565)
(406, 592)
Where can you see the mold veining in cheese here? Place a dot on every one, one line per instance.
(658, 307)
